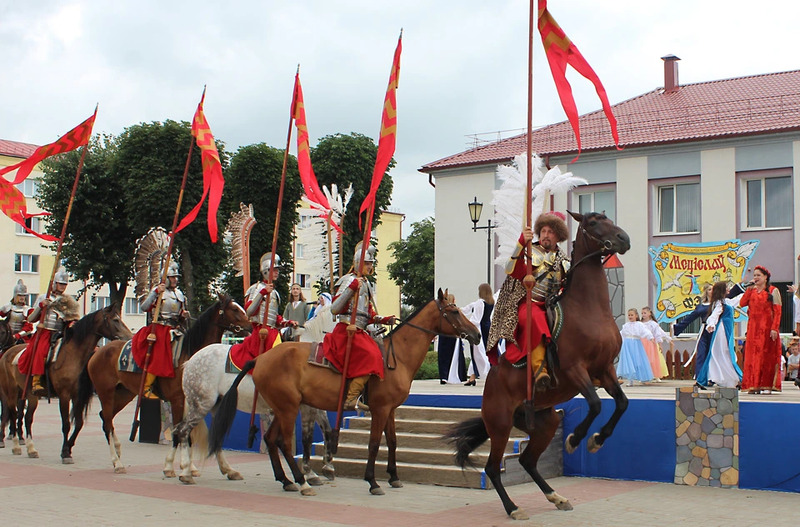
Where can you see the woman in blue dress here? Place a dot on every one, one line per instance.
(720, 367)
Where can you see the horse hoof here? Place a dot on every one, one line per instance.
(120, 470)
(564, 505)
(196, 473)
(376, 491)
(234, 476)
(66, 461)
(16, 451)
(396, 484)
(329, 473)
(519, 514)
(308, 491)
(188, 480)
(169, 474)
(592, 444)
(315, 481)
(33, 455)
(2, 444)
(568, 444)
(291, 487)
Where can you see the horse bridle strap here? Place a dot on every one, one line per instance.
(407, 322)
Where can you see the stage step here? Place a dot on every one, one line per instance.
(423, 456)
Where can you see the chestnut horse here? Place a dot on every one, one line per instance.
(285, 379)
(63, 374)
(587, 345)
(116, 389)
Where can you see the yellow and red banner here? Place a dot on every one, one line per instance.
(561, 52)
(213, 182)
(683, 270)
(13, 205)
(72, 140)
(388, 138)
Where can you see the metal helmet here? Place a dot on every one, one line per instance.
(20, 288)
(173, 269)
(62, 276)
(266, 259)
(369, 254)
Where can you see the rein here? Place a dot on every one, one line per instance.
(605, 248)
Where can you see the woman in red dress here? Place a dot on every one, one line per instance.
(763, 344)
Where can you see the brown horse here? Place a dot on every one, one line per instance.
(588, 343)
(284, 379)
(116, 389)
(63, 374)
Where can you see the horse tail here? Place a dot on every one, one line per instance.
(84, 396)
(465, 437)
(223, 418)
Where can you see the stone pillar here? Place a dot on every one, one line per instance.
(707, 437)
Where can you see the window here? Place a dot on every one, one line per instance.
(768, 202)
(29, 187)
(299, 250)
(132, 307)
(679, 208)
(32, 223)
(305, 221)
(303, 279)
(31, 298)
(26, 263)
(600, 201)
(99, 302)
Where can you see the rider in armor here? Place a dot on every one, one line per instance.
(255, 307)
(16, 314)
(365, 355)
(510, 313)
(51, 325)
(171, 319)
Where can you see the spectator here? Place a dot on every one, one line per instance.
(633, 364)
(480, 314)
(720, 367)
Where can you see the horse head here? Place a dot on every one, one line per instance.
(232, 317)
(112, 326)
(458, 325)
(598, 234)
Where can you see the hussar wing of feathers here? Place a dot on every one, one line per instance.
(149, 259)
(239, 226)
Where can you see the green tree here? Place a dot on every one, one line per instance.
(413, 266)
(254, 178)
(98, 245)
(345, 159)
(150, 161)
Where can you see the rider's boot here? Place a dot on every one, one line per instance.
(37, 388)
(542, 380)
(356, 387)
(148, 387)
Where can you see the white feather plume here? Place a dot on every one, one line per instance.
(314, 235)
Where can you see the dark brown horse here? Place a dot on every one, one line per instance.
(284, 379)
(588, 343)
(116, 389)
(63, 374)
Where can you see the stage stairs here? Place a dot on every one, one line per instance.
(424, 457)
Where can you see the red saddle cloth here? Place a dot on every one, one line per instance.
(248, 349)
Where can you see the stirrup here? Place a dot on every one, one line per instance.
(542, 381)
(38, 390)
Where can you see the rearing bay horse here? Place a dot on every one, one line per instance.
(588, 343)
(116, 389)
(64, 375)
(284, 379)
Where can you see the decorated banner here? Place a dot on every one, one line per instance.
(682, 270)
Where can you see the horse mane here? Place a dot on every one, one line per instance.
(409, 317)
(196, 334)
(81, 329)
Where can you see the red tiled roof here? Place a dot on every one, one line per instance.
(752, 105)
(16, 149)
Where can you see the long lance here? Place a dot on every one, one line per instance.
(351, 330)
(262, 333)
(43, 313)
(528, 281)
(330, 250)
(151, 337)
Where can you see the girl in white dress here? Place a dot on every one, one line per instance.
(721, 363)
(633, 364)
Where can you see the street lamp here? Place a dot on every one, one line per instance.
(475, 209)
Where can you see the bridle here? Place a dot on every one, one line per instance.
(605, 248)
(234, 328)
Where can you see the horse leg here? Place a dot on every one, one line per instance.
(545, 426)
(3, 423)
(377, 427)
(499, 429)
(580, 378)
(611, 386)
(63, 408)
(15, 426)
(33, 403)
(391, 444)
(327, 433)
(307, 419)
(284, 444)
(112, 401)
(270, 438)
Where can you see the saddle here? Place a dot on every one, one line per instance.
(317, 355)
(126, 363)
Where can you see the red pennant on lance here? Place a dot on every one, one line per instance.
(213, 182)
(561, 52)
(307, 176)
(72, 140)
(386, 143)
(13, 205)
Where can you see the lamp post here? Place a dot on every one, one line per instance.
(475, 209)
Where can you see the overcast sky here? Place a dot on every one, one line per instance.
(463, 68)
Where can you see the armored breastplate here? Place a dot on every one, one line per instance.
(16, 317)
(51, 320)
(172, 302)
(547, 269)
(364, 295)
(255, 295)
